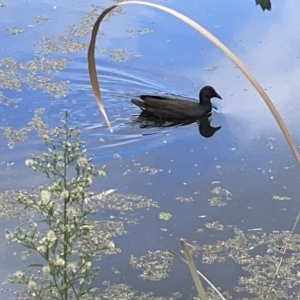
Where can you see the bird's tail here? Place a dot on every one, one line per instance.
(139, 103)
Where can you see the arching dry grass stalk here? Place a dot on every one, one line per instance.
(205, 33)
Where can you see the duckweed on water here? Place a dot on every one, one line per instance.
(121, 202)
(41, 18)
(185, 199)
(214, 225)
(117, 55)
(125, 292)
(220, 198)
(36, 124)
(44, 65)
(13, 75)
(7, 101)
(14, 30)
(258, 254)
(154, 266)
(8, 206)
(149, 170)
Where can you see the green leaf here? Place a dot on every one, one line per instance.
(264, 4)
(164, 216)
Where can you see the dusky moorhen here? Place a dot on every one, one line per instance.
(169, 107)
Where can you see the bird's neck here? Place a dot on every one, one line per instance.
(209, 106)
(205, 101)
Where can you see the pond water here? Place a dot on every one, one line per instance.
(245, 167)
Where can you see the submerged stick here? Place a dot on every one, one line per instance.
(211, 38)
(193, 270)
(201, 275)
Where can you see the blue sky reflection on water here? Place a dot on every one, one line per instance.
(248, 156)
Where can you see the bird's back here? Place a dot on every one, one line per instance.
(168, 107)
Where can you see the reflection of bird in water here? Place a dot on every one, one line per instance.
(205, 129)
(150, 121)
(177, 108)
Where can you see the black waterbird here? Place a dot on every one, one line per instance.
(170, 107)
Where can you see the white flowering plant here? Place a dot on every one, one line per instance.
(70, 242)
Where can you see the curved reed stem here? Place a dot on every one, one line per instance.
(210, 37)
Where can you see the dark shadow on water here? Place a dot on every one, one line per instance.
(149, 121)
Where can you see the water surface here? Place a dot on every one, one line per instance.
(248, 157)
